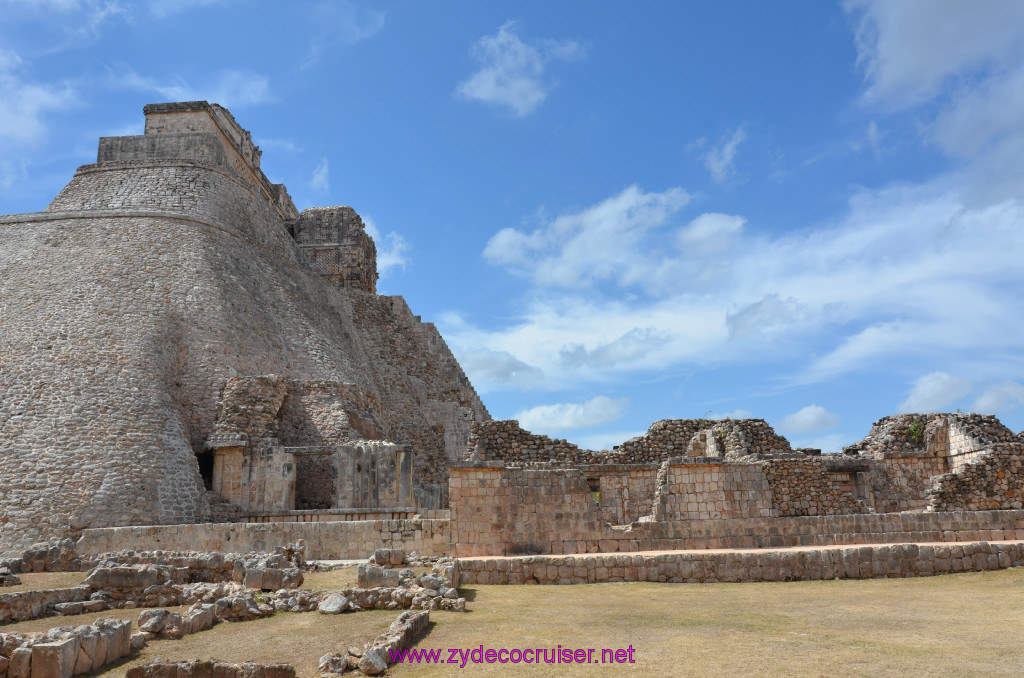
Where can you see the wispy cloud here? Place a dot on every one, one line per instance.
(808, 419)
(601, 243)
(564, 416)
(341, 22)
(511, 73)
(908, 273)
(392, 249)
(935, 392)
(230, 88)
(720, 159)
(320, 180)
(24, 103)
(999, 398)
(164, 8)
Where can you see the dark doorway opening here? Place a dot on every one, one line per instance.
(205, 460)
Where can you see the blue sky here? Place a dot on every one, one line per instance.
(615, 213)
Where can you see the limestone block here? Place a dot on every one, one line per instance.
(21, 663)
(54, 660)
(335, 603)
(373, 663)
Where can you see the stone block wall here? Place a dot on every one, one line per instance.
(497, 510)
(337, 247)
(327, 540)
(858, 562)
(802, 486)
(626, 492)
(990, 482)
(65, 652)
(711, 491)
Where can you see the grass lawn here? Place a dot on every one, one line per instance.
(953, 625)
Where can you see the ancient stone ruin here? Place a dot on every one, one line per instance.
(182, 345)
(188, 362)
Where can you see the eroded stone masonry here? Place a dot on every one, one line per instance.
(187, 361)
(181, 345)
(695, 483)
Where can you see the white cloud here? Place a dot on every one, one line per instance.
(1002, 397)
(605, 441)
(833, 442)
(230, 88)
(490, 370)
(720, 159)
(738, 413)
(511, 72)
(321, 179)
(603, 242)
(911, 49)
(341, 22)
(594, 412)
(164, 8)
(935, 392)
(392, 250)
(24, 104)
(808, 419)
(967, 59)
(911, 273)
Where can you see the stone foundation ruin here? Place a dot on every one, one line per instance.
(695, 483)
(190, 362)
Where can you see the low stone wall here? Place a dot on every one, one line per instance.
(855, 562)
(329, 515)
(204, 669)
(65, 652)
(324, 540)
(24, 605)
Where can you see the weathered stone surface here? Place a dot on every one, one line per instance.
(373, 663)
(335, 603)
(197, 270)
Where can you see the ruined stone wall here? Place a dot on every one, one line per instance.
(509, 511)
(318, 413)
(801, 486)
(990, 482)
(501, 511)
(625, 492)
(333, 540)
(667, 438)
(707, 490)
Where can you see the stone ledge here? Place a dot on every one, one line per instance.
(840, 562)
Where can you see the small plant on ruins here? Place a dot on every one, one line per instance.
(916, 431)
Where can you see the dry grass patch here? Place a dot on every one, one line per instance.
(38, 581)
(299, 639)
(953, 625)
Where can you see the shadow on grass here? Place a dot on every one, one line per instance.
(468, 594)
